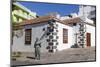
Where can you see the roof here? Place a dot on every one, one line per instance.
(72, 20)
(41, 19)
(75, 20)
(44, 19)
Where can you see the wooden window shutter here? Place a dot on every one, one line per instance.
(28, 36)
(65, 35)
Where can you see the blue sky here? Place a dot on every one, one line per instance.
(45, 8)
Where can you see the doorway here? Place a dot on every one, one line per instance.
(88, 39)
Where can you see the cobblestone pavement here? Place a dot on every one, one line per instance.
(68, 55)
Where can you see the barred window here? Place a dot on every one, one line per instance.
(28, 36)
(65, 35)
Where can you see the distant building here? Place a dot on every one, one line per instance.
(72, 15)
(20, 13)
(88, 11)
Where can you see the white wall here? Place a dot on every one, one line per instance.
(37, 31)
(18, 43)
(84, 9)
(62, 45)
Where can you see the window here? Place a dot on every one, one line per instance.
(65, 35)
(28, 36)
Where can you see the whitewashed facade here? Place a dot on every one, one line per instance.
(55, 38)
(19, 42)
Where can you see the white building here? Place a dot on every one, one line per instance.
(72, 15)
(54, 34)
(88, 11)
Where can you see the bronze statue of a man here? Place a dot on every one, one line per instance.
(37, 46)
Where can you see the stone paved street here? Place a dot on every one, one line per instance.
(68, 55)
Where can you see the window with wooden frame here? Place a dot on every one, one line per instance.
(28, 36)
(65, 35)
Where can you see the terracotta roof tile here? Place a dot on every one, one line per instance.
(38, 20)
(43, 19)
(72, 20)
